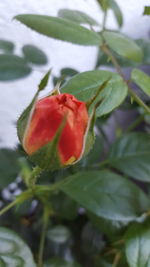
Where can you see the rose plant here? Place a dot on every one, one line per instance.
(93, 195)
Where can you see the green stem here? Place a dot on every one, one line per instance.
(9, 206)
(42, 240)
(21, 198)
(116, 259)
(33, 177)
(139, 101)
(107, 51)
(104, 20)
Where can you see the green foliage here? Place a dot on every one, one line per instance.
(77, 16)
(6, 46)
(117, 12)
(146, 10)
(34, 55)
(60, 29)
(123, 45)
(86, 84)
(59, 234)
(131, 155)
(9, 166)
(13, 250)
(103, 59)
(137, 245)
(82, 211)
(142, 80)
(107, 195)
(13, 67)
(58, 262)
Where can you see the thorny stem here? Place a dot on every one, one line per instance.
(33, 177)
(107, 51)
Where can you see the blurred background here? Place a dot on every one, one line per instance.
(16, 94)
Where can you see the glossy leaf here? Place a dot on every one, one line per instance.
(123, 45)
(107, 195)
(13, 67)
(142, 80)
(13, 250)
(85, 85)
(34, 55)
(77, 16)
(9, 166)
(137, 245)
(60, 29)
(6, 46)
(131, 155)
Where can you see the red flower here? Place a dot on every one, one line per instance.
(46, 119)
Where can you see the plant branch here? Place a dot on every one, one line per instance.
(104, 20)
(21, 198)
(9, 206)
(107, 51)
(42, 240)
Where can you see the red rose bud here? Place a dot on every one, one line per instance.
(46, 119)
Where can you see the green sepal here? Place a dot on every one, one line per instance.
(43, 83)
(89, 137)
(24, 119)
(47, 157)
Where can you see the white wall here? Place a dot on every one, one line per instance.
(14, 96)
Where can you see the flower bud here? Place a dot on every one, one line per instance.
(45, 120)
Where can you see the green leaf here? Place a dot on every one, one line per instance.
(123, 45)
(58, 262)
(145, 46)
(131, 155)
(59, 234)
(104, 4)
(60, 29)
(13, 250)
(107, 195)
(9, 167)
(61, 203)
(77, 16)
(86, 84)
(111, 228)
(137, 245)
(117, 12)
(34, 55)
(146, 10)
(142, 80)
(13, 67)
(7, 46)
(124, 62)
